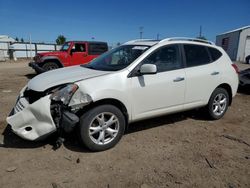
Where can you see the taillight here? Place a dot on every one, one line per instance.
(235, 68)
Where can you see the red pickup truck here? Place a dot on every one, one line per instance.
(71, 53)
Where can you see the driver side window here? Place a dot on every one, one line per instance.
(166, 58)
(79, 47)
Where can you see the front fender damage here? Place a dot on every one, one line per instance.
(79, 100)
(45, 116)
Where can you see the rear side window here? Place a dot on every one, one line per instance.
(196, 55)
(215, 54)
(97, 48)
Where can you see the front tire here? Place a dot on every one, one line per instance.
(218, 104)
(101, 127)
(50, 66)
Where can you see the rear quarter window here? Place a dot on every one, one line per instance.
(196, 55)
(97, 48)
(215, 54)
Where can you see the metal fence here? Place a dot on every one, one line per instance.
(17, 50)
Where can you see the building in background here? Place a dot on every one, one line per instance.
(4, 45)
(6, 38)
(12, 49)
(236, 43)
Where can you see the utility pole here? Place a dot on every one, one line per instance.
(30, 48)
(141, 31)
(200, 33)
(158, 36)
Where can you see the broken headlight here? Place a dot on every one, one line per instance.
(64, 94)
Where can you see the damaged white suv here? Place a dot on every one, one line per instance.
(137, 80)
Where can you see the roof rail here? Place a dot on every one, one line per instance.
(187, 39)
(140, 40)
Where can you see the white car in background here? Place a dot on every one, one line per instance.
(138, 80)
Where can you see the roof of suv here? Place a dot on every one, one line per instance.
(87, 41)
(151, 42)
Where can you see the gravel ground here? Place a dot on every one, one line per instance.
(181, 150)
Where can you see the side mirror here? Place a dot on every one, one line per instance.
(148, 69)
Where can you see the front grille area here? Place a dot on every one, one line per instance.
(26, 98)
(21, 104)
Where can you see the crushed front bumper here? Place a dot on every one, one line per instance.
(36, 67)
(32, 121)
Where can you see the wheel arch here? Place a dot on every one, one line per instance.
(228, 88)
(53, 59)
(110, 101)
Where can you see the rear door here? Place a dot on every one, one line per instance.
(78, 53)
(202, 75)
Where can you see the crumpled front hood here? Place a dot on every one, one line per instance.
(62, 76)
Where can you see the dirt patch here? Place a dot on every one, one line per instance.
(181, 150)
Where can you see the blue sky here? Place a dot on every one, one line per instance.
(118, 21)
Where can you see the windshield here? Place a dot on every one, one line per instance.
(65, 46)
(117, 59)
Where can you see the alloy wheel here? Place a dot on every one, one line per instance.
(104, 128)
(219, 104)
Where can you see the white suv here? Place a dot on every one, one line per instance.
(137, 80)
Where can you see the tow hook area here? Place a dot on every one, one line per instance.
(69, 121)
(64, 120)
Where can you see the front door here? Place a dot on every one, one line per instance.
(163, 92)
(78, 54)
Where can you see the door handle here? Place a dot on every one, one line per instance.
(178, 79)
(215, 73)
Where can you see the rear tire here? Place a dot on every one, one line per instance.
(101, 127)
(50, 66)
(218, 104)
